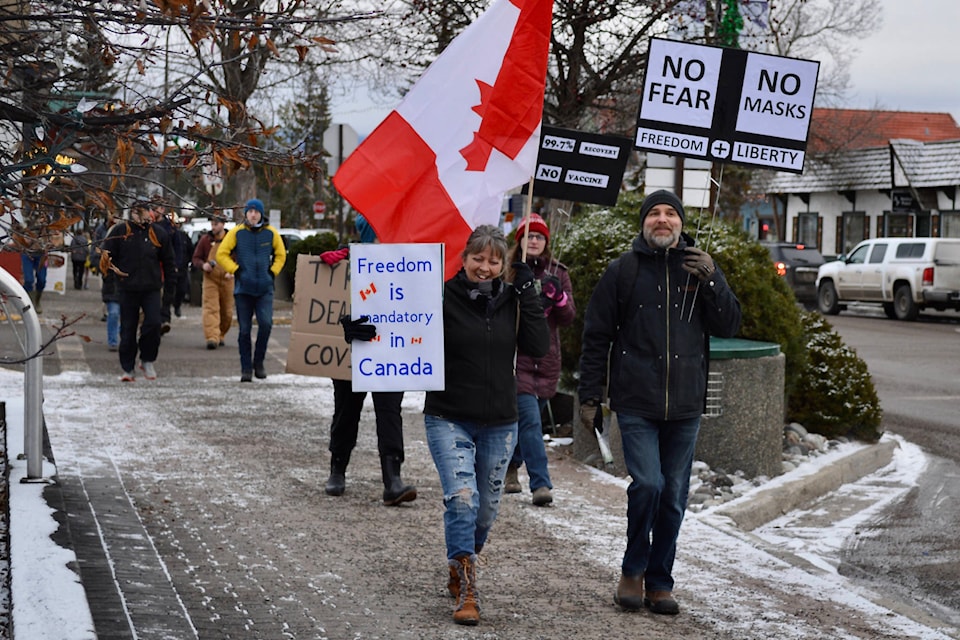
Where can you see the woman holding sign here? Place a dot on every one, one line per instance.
(471, 425)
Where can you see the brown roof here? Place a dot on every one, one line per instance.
(833, 130)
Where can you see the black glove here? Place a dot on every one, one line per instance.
(591, 415)
(698, 262)
(359, 329)
(523, 277)
(551, 292)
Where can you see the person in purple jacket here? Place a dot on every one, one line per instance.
(537, 377)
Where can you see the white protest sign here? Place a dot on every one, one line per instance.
(400, 287)
(777, 96)
(681, 83)
(725, 104)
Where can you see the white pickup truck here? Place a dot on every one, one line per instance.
(905, 275)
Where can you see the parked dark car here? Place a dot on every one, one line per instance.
(797, 264)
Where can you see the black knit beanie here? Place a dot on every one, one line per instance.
(661, 197)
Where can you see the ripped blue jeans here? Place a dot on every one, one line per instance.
(472, 462)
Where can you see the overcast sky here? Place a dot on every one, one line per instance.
(913, 62)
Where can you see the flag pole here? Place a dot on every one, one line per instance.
(523, 251)
(527, 210)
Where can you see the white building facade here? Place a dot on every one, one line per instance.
(907, 189)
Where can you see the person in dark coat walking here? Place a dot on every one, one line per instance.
(652, 314)
(537, 377)
(140, 253)
(182, 290)
(164, 218)
(79, 252)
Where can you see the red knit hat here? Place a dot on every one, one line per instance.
(536, 224)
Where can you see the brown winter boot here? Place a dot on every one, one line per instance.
(662, 602)
(453, 582)
(35, 300)
(468, 601)
(511, 484)
(629, 593)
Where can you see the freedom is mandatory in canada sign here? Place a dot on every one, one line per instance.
(726, 105)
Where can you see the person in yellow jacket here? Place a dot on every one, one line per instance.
(254, 253)
(217, 283)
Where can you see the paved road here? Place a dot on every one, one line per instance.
(913, 547)
(198, 512)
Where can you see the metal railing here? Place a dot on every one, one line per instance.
(30, 342)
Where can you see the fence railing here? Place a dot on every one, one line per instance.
(13, 294)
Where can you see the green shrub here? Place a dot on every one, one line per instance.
(312, 246)
(835, 395)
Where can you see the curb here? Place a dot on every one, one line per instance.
(767, 504)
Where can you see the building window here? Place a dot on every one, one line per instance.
(807, 224)
(899, 225)
(855, 229)
(950, 224)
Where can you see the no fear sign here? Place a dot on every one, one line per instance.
(726, 105)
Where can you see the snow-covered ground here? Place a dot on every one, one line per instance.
(49, 602)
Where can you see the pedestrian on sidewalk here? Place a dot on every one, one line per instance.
(217, 294)
(140, 253)
(33, 258)
(182, 290)
(254, 253)
(471, 426)
(347, 406)
(164, 217)
(99, 235)
(652, 314)
(110, 296)
(537, 377)
(79, 252)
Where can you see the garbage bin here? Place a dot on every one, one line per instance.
(742, 426)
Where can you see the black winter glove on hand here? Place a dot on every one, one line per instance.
(591, 416)
(523, 277)
(550, 291)
(698, 263)
(358, 329)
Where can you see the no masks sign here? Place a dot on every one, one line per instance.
(726, 105)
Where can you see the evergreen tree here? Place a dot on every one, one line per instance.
(731, 23)
(303, 122)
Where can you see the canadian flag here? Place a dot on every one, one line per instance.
(467, 132)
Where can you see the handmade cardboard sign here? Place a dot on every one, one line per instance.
(322, 295)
